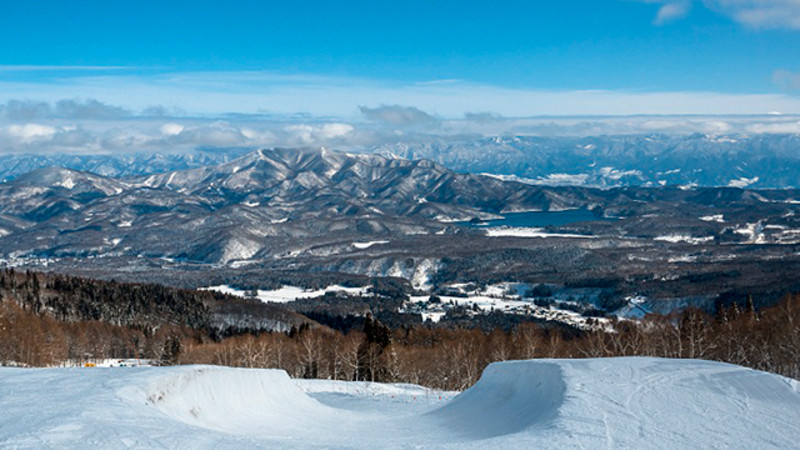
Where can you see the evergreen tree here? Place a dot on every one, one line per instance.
(171, 351)
(371, 352)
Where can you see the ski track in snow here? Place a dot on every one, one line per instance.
(590, 403)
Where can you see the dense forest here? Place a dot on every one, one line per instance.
(48, 319)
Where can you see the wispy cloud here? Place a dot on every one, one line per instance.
(787, 80)
(61, 109)
(672, 11)
(482, 117)
(215, 93)
(760, 13)
(751, 13)
(32, 68)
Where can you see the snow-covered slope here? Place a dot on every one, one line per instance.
(611, 403)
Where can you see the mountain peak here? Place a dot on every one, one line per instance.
(59, 177)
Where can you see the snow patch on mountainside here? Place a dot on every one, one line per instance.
(531, 233)
(714, 218)
(676, 238)
(366, 245)
(753, 231)
(238, 249)
(743, 182)
(68, 183)
(423, 273)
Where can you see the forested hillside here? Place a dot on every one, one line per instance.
(49, 318)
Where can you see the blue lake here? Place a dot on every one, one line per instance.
(537, 219)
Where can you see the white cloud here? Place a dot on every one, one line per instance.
(171, 129)
(215, 134)
(792, 127)
(672, 11)
(320, 134)
(30, 132)
(752, 13)
(335, 130)
(40, 137)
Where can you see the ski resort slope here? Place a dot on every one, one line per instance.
(593, 403)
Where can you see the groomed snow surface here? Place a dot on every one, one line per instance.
(600, 403)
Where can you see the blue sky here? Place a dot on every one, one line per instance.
(512, 58)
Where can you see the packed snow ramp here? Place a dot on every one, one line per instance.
(593, 403)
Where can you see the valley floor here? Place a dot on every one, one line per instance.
(594, 403)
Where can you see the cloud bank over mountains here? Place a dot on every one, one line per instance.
(91, 126)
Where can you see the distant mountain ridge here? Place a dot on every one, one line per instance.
(760, 160)
(116, 165)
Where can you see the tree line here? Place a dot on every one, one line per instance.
(36, 340)
(48, 319)
(768, 339)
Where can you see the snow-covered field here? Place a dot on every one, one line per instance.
(288, 293)
(531, 233)
(600, 403)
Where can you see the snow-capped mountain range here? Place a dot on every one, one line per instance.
(251, 206)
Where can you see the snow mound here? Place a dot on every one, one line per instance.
(210, 397)
(591, 403)
(509, 398)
